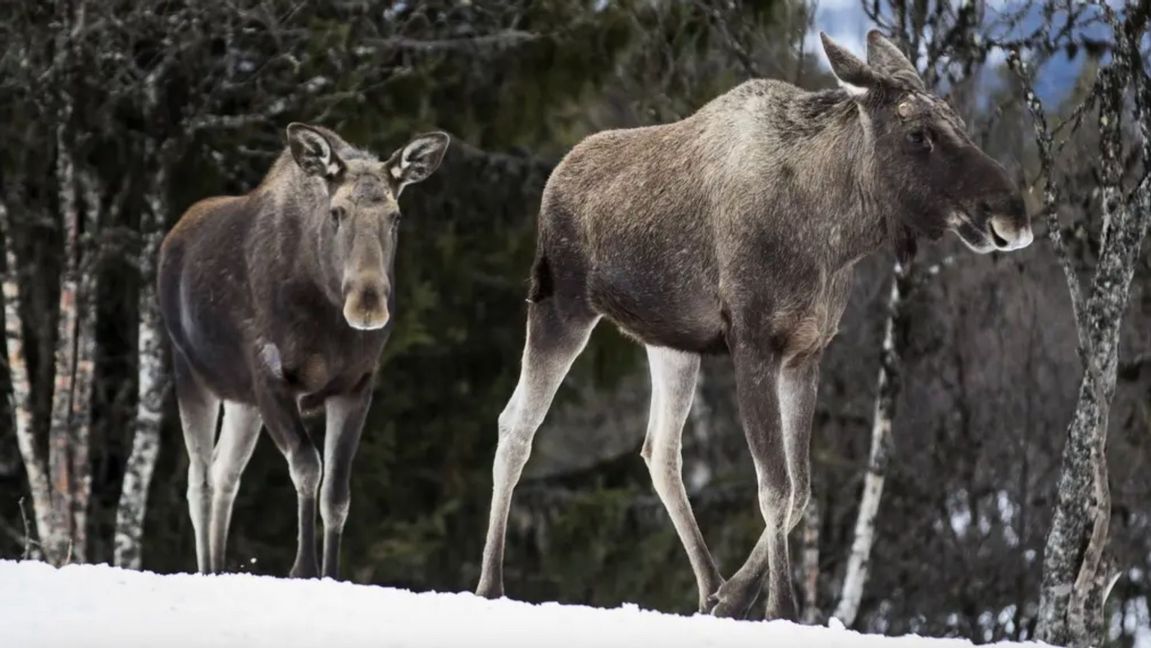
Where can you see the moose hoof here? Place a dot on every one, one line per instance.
(707, 602)
(304, 571)
(490, 590)
(730, 601)
(779, 612)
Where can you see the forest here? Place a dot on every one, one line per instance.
(981, 450)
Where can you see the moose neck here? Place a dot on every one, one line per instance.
(850, 215)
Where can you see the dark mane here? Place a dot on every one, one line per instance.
(808, 113)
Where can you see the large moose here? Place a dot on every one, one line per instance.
(279, 302)
(735, 231)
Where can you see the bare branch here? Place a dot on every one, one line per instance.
(1050, 195)
(497, 42)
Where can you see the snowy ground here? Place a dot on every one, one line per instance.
(96, 606)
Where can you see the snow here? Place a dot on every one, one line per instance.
(96, 606)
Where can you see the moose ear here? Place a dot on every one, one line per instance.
(313, 151)
(846, 66)
(884, 56)
(418, 159)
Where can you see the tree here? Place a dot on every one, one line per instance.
(1076, 572)
(950, 30)
(61, 512)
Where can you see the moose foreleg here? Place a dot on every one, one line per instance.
(282, 419)
(345, 422)
(798, 385)
(757, 371)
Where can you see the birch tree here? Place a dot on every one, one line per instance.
(1076, 572)
(887, 389)
(938, 30)
(152, 379)
(20, 398)
(60, 479)
(151, 386)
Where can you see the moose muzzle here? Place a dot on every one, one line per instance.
(1009, 226)
(366, 302)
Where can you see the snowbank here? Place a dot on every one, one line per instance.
(96, 606)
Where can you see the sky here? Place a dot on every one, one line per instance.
(845, 22)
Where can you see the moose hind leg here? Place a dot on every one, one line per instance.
(199, 410)
(238, 435)
(673, 376)
(554, 339)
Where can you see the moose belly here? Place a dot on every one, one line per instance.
(661, 313)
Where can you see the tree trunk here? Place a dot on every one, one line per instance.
(698, 465)
(886, 392)
(152, 383)
(84, 369)
(60, 460)
(1073, 591)
(68, 465)
(811, 522)
(1071, 601)
(21, 397)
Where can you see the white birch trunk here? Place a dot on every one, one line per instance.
(21, 397)
(811, 522)
(698, 468)
(84, 372)
(152, 383)
(887, 389)
(59, 431)
(68, 456)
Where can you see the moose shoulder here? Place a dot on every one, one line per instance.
(280, 300)
(735, 231)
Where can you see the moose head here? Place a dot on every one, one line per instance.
(926, 165)
(357, 240)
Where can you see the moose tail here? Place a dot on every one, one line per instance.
(542, 285)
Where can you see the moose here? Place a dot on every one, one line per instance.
(278, 303)
(734, 231)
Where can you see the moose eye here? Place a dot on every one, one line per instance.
(337, 214)
(919, 138)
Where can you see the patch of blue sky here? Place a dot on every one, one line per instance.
(1005, 20)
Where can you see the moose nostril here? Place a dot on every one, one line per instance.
(999, 241)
